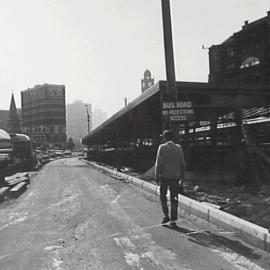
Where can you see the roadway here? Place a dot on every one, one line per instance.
(74, 217)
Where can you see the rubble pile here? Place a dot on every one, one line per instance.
(239, 201)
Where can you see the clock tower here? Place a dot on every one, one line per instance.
(147, 81)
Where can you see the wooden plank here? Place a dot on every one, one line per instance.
(18, 187)
(17, 190)
(18, 180)
(16, 175)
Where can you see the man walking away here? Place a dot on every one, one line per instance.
(169, 169)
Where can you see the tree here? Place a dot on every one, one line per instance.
(70, 144)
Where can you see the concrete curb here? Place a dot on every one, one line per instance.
(247, 231)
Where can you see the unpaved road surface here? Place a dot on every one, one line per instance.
(74, 217)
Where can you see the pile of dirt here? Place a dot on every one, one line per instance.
(245, 202)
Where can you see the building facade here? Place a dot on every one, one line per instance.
(244, 58)
(44, 115)
(77, 120)
(147, 80)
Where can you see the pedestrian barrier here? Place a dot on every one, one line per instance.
(247, 231)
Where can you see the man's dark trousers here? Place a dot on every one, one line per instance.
(172, 184)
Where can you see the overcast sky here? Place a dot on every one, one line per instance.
(100, 48)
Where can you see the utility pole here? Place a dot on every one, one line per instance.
(125, 99)
(88, 118)
(168, 46)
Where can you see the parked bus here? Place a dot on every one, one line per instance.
(23, 155)
(5, 154)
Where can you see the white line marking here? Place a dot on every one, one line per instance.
(53, 248)
(17, 221)
(5, 256)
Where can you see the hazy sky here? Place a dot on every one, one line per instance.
(100, 48)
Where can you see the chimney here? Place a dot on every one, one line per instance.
(268, 13)
(246, 23)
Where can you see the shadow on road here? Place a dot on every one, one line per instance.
(211, 240)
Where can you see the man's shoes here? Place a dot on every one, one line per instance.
(173, 224)
(165, 220)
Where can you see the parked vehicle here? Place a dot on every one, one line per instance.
(5, 153)
(23, 155)
(67, 153)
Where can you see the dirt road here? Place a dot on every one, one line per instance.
(73, 217)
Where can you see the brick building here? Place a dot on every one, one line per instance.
(244, 58)
(44, 115)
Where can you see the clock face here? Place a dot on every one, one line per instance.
(149, 84)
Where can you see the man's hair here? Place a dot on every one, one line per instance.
(168, 135)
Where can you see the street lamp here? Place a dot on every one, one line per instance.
(88, 118)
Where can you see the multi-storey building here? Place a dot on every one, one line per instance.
(44, 115)
(244, 58)
(78, 121)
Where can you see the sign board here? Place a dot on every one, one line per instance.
(179, 111)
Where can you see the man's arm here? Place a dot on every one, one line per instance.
(158, 165)
(182, 161)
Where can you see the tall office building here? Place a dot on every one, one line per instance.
(77, 120)
(44, 115)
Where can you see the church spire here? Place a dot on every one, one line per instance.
(14, 125)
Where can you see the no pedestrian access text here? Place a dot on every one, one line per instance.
(178, 111)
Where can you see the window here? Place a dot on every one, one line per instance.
(230, 52)
(230, 65)
(249, 62)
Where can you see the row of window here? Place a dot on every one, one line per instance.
(44, 115)
(248, 62)
(49, 138)
(44, 129)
